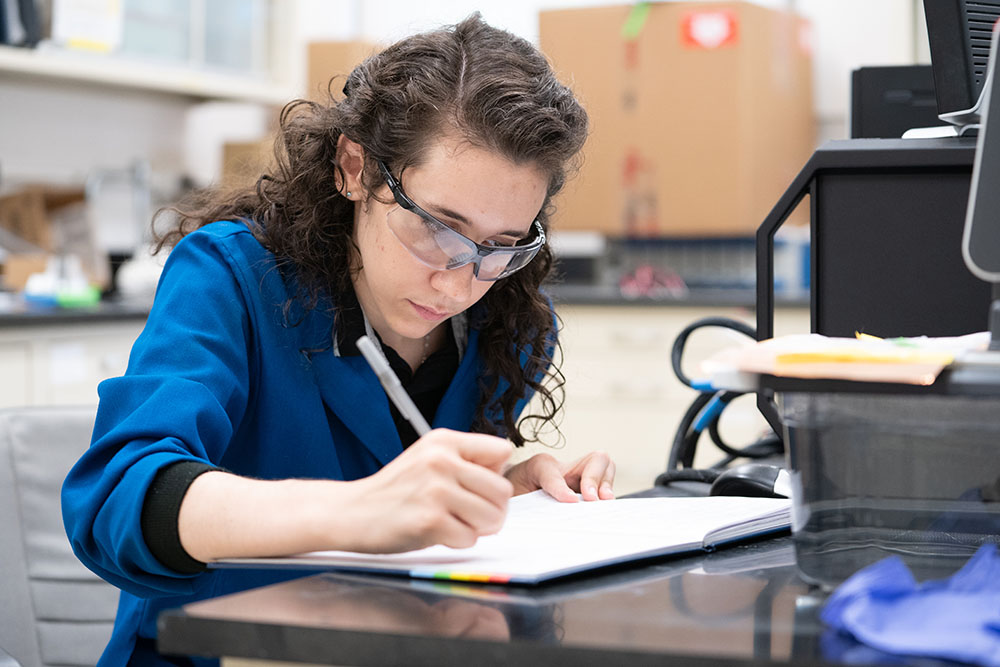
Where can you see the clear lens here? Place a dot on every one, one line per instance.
(440, 247)
(424, 239)
(493, 266)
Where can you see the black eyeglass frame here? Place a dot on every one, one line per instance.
(531, 249)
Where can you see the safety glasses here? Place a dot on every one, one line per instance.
(437, 245)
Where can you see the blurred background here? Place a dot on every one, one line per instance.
(702, 113)
(700, 120)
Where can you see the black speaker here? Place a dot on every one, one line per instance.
(887, 101)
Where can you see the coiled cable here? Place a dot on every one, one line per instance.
(703, 415)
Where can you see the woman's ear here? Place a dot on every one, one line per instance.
(351, 158)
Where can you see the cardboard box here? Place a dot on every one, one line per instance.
(45, 220)
(243, 162)
(701, 114)
(26, 213)
(15, 269)
(329, 63)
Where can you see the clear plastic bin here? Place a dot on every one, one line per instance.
(880, 474)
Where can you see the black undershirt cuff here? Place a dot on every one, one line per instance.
(160, 511)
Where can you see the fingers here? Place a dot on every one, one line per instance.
(476, 468)
(458, 514)
(463, 494)
(544, 472)
(477, 517)
(484, 483)
(606, 487)
(558, 489)
(607, 490)
(488, 451)
(594, 476)
(450, 531)
(443, 513)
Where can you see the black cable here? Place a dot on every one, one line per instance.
(680, 446)
(713, 432)
(677, 352)
(681, 458)
(766, 447)
(751, 451)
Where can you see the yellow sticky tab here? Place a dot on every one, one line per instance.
(849, 356)
(467, 576)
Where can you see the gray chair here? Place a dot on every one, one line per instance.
(53, 611)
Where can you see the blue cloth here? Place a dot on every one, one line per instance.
(957, 618)
(221, 375)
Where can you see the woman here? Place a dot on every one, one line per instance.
(413, 210)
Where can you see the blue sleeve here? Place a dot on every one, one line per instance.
(185, 390)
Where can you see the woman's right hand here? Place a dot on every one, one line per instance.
(446, 488)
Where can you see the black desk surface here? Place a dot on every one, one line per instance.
(740, 605)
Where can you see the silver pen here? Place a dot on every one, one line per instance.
(393, 387)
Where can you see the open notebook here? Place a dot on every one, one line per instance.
(544, 539)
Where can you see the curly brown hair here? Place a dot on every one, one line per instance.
(499, 93)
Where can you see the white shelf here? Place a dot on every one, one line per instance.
(63, 65)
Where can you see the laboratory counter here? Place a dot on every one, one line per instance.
(14, 311)
(575, 294)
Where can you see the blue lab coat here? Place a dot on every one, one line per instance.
(221, 374)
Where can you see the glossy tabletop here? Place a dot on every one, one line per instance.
(745, 604)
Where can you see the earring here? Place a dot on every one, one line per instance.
(348, 194)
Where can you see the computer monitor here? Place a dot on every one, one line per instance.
(981, 237)
(981, 241)
(958, 33)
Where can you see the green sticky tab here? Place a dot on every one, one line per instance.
(635, 21)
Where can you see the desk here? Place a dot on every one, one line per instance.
(740, 605)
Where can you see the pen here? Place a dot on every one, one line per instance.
(392, 386)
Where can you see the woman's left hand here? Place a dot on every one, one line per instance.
(593, 476)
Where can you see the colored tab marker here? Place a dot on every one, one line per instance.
(635, 21)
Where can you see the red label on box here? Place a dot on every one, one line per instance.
(712, 29)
